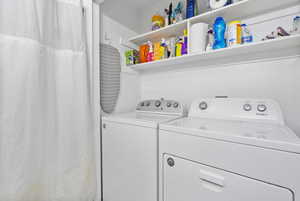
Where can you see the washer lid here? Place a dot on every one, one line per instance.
(140, 118)
(273, 136)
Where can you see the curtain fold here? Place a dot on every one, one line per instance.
(46, 120)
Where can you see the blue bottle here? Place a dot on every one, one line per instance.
(190, 8)
(219, 33)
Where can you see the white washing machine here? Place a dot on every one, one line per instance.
(229, 150)
(130, 150)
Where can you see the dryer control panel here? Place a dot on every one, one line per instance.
(237, 109)
(161, 106)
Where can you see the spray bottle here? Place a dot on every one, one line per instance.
(185, 43)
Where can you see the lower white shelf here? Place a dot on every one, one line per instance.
(277, 48)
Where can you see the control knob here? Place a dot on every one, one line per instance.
(169, 104)
(262, 108)
(203, 106)
(175, 105)
(247, 107)
(157, 103)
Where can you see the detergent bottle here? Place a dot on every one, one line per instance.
(150, 56)
(219, 33)
(191, 8)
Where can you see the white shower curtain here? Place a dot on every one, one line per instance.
(46, 121)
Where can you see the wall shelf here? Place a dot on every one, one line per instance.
(241, 10)
(281, 47)
(166, 32)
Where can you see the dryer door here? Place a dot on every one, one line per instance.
(190, 181)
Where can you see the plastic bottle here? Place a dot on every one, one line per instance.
(157, 22)
(157, 51)
(219, 33)
(164, 49)
(191, 8)
(172, 47)
(144, 50)
(210, 39)
(179, 45)
(247, 36)
(296, 24)
(234, 33)
(150, 56)
(184, 49)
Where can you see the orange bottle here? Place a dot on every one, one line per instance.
(144, 50)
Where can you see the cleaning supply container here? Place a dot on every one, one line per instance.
(144, 50)
(234, 34)
(296, 24)
(219, 33)
(198, 40)
(247, 36)
(157, 52)
(184, 50)
(150, 56)
(157, 22)
(191, 8)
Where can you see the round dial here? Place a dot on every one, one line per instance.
(142, 104)
(262, 108)
(169, 104)
(203, 106)
(157, 103)
(148, 104)
(247, 107)
(175, 105)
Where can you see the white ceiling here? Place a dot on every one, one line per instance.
(134, 4)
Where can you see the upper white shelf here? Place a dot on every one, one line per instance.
(270, 49)
(166, 32)
(241, 10)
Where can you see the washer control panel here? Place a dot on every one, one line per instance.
(237, 109)
(161, 106)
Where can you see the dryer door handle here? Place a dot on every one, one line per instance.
(212, 181)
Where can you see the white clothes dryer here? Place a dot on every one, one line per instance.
(229, 150)
(130, 150)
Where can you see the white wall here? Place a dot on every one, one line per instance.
(123, 11)
(112, 32)
(279, 80)
(130, 85)
(159, 6)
